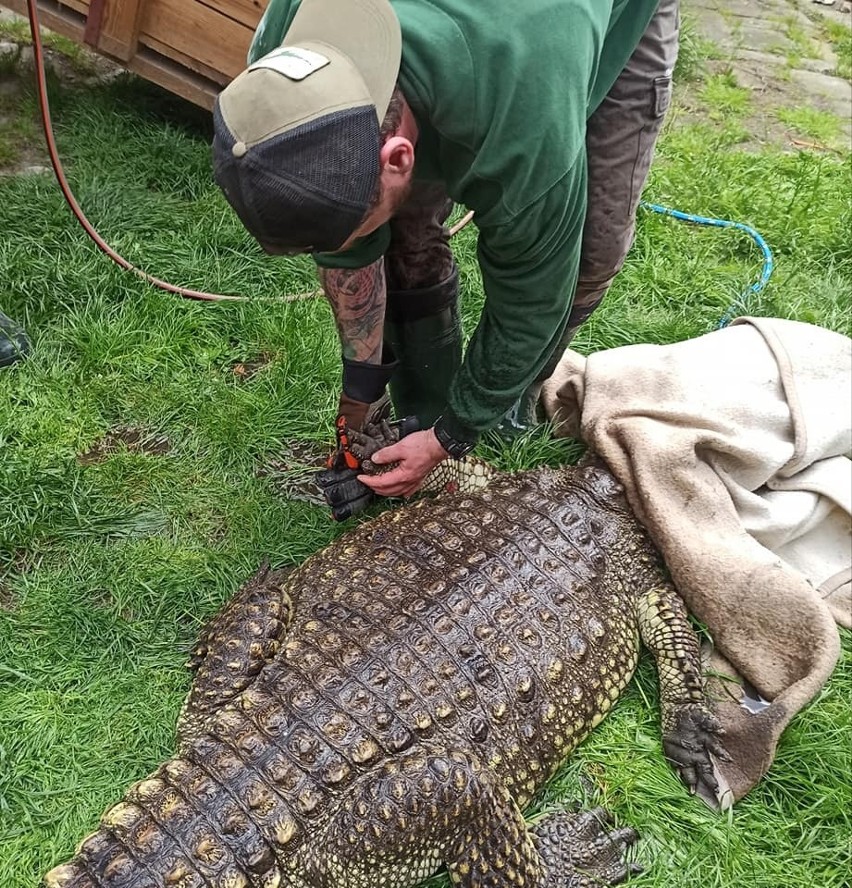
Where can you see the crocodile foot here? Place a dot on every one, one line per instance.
(582, 850)
(690, 744)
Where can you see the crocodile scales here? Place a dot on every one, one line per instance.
(394, 703)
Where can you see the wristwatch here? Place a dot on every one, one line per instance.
(456, 449)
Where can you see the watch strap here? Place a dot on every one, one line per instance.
(455, 447)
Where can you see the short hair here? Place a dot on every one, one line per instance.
(389, 127)
(393, 116)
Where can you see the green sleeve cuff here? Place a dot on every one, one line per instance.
(362, 253)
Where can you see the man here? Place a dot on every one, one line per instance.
(13, 341)
(360, 123)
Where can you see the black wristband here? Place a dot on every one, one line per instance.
(366, 382)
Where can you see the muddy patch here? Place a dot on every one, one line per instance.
(244, 370)
(21, 562)
(125, 438)
(105, 600)
(8, 597)
(292, 471)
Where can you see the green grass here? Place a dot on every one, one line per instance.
(74, 55)
(823, 126)
(799, 44)
(19, 130)
(839, 34)
(108, 568)
(723, 97)
(694, 51)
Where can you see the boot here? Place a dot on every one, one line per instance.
(525, 414)
(14, 343)
(423, 329)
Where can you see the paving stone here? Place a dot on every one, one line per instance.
(834, 88)
(778, 49)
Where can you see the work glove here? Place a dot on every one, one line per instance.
(339, 483)
(363, 402)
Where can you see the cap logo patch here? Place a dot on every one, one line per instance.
(293, 62)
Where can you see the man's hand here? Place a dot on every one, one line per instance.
(339, 482)
(417, 454)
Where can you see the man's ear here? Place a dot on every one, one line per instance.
(397, 156)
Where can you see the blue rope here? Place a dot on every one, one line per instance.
(741, 303)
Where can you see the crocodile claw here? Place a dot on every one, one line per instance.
(692, 746)
(583, 850)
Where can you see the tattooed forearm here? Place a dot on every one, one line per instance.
(357, 297)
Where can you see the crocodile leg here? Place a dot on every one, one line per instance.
(233, 647)
(691, 733)
(581, 850)
(395, 828)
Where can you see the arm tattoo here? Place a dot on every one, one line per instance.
(357, 297)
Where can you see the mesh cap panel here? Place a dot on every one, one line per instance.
(309, 187)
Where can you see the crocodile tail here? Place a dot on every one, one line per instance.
(177, 827)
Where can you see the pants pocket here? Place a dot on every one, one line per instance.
(662, 95)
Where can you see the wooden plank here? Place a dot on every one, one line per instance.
(119, 30)
(209, 40)
(192, 65)
(201, 51)
(246, 12)
(81, 6)
(93, 22)
(175, 78)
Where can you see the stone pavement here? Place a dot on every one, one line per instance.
(778, 49)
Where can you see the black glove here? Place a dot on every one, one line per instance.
(339, 483)
(363, 402)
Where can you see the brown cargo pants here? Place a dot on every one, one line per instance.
(620, 140)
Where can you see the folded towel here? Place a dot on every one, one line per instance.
(734, 449)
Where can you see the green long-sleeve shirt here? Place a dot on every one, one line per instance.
(501, 91)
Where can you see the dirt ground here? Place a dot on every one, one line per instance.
(779, 50)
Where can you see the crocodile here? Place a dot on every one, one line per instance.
(392, 705)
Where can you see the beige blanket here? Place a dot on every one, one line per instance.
(735, 452)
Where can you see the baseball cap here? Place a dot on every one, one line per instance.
(297, 134)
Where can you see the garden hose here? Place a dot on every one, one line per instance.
(41, 81)
(741, 303)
